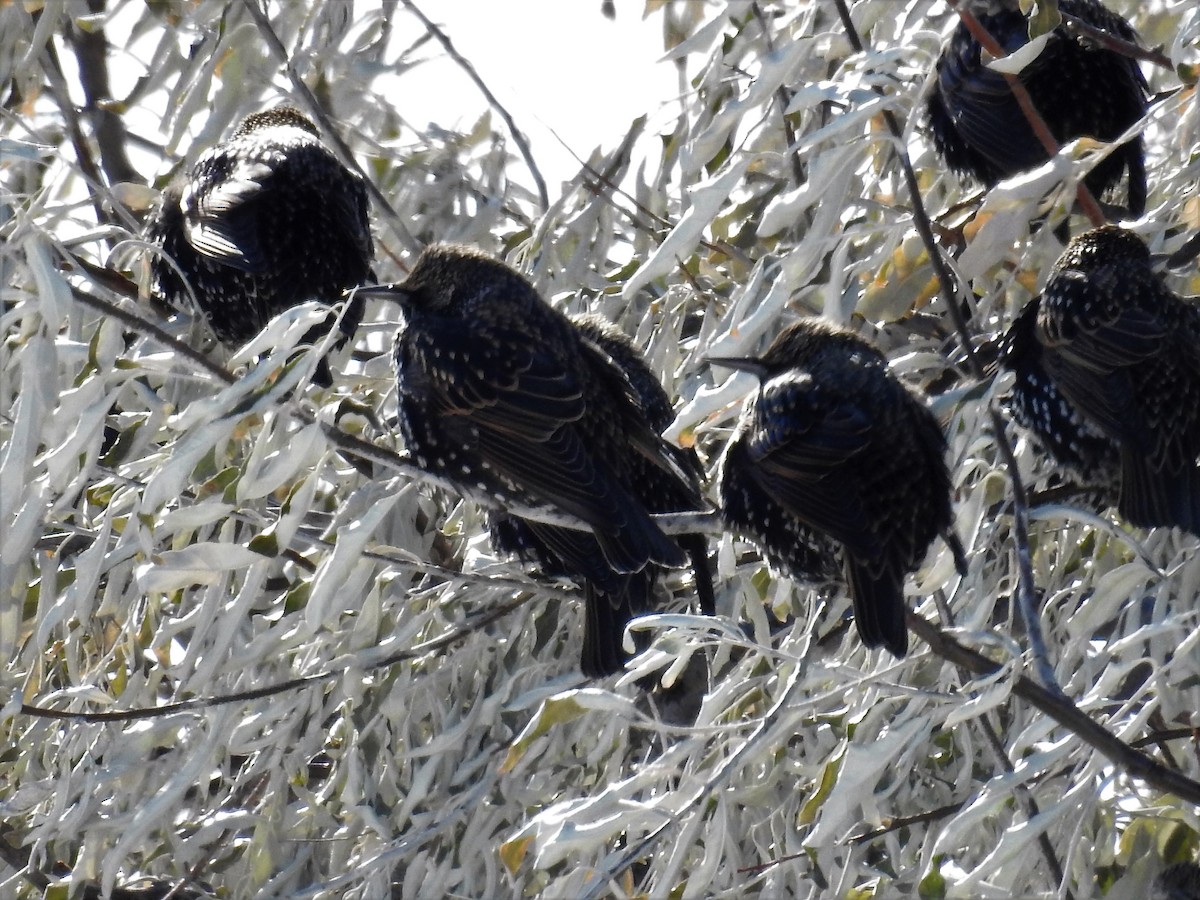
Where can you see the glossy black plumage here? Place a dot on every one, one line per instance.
(528, 413)
(1037, 405)
(1079, 89)
(1123, 351)
(837, 470)
(263, 222)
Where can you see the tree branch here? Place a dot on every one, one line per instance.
(1063, 711)
(341, 148)
(519, 138)
(1026, 588)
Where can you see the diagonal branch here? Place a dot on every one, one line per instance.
(1026, 587)
(1063, 711)
(313, 108)
(518, 137)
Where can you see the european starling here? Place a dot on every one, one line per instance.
(1079, 89)
(614, 599)
(836, 467)
(538, 418)
(1122, 354)
(264, 221)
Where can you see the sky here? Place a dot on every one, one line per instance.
(554, 64)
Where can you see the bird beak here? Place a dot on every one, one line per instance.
(742, 364)
(394, 291)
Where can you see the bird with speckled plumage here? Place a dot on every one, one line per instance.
(264, 221)
(1119, 355)
(837, 471)
(1038, 406)
(536, 417)
(1078, 87)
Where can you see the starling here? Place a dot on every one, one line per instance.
(836, 468)
(542, 419)
(560, 552)
(1079, 89)
(1119, 363)
(264, 221)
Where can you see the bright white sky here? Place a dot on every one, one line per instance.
(554, 64)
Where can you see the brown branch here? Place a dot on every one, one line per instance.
(1063, 711)
(91, 52)
(1083, 196)
(1112, 42)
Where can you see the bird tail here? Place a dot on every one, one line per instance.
(638, 543)
(1151, 498)
(956, 548)
(878, 608)
(696, 547)
(605, 618)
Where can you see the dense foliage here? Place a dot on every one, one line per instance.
(171, 534)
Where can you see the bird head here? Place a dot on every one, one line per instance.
(447, 278)
(1103, 246)
(279, 117)
(796, 346)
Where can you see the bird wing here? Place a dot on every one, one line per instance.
(1096, 340)
(220, 211)
(799, 442)
(524, 402)
(239, 197)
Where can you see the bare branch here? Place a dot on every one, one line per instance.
(313, 108)
(518, 137)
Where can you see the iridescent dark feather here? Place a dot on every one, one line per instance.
(1123, 352)
(528, 413)
(263, 222)
(836, 467)
(1038, 406)
(1079, 89)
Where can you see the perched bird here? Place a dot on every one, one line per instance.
(1078, 87)
(549, 424)
(264, 221)
(836, 468)
(613, 599)
(1118, 362)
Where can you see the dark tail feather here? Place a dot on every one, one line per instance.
(1152, 498)
(1136, 160)
(696, 546)
(605, 618)
(878, 608)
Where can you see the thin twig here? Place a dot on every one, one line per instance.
(432, 646)
(519, 138)
(331, 134)
(783, 97)
(1112, 42)
(1026, 587)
